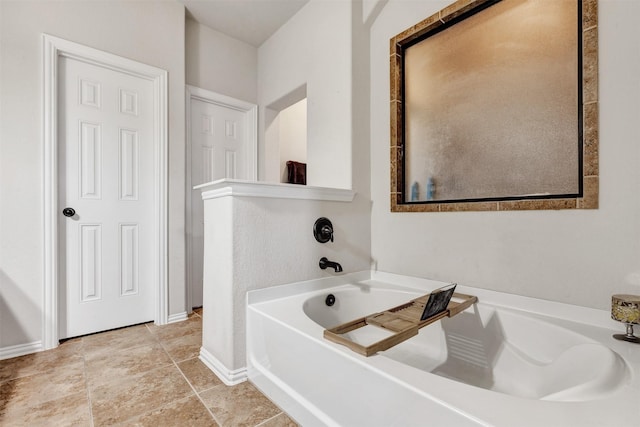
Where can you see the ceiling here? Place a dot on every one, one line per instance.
(252, 21)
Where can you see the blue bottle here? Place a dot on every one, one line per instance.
(431, 189)
(414, 192)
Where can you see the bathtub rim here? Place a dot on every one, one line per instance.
(560, 310)
(575, 315)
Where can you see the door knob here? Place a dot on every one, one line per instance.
(69, 212)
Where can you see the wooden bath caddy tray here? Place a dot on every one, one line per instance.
(404, 320)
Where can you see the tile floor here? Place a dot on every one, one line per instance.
(144, 375)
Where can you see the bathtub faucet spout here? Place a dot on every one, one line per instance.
(324, 263)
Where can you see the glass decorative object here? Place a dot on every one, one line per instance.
(626, 309)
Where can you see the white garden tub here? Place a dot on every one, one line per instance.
(506, 361)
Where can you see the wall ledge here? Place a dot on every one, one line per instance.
(235, 187)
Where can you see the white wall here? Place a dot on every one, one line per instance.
(151, 32)
(579, 257)
(258, 242)
(313, 48)
(271, 240)
(220, 63)
(292, 128)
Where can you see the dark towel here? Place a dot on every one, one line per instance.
(296, 173)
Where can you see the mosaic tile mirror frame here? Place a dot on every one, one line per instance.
(494, 106)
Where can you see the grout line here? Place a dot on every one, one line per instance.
(158, 408)
(196, 393)
(269, 419)
(86, 384)
(76, 357)
(151, 409)
(173, 360)
(189, 382)
(21, 376)
(167, 353)
(159, 366)
(213, 386)
(82, 356)
(105, 351)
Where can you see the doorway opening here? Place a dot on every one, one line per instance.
(222, 142)
(286, 137)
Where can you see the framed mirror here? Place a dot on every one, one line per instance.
(494, 106)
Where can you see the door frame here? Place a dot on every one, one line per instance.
(251, 131)
(53, 49)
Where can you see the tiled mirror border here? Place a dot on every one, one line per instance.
(589, 110)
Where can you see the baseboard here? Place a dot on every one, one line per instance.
(227, 376)
(20, 350)
(178, 317)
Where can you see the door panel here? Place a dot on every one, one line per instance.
(217, 140)
(90, 262)
(105, 163)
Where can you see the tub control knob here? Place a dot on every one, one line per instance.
(323, 230)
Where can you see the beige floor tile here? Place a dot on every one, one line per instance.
(239, 405)
(128, 376)
(71, 410)
(186, 412)
(184, 347)
(175, 330)
(118, 401)
(200, 377)
(281, 420)
(107, 342)
(198, 311)
(125, 363)
(37, 363)
(24, 392)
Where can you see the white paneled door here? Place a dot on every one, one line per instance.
(219, 144)
(106, 182)
(217, 138)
